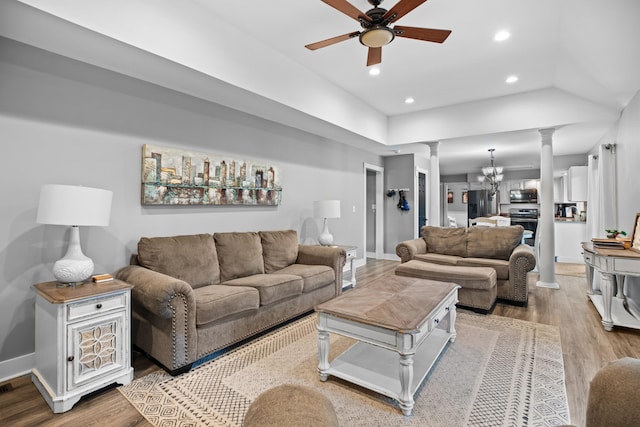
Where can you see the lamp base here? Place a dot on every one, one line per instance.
(74, 268)
(325, 238)
(72, 272)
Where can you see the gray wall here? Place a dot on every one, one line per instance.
(66, 122)
(398, 224)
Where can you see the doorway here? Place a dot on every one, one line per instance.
(373, 211)
(420, 201)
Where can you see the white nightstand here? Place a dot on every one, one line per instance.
(82, 340)
(351, 258)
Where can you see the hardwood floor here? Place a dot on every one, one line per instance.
(586, 348)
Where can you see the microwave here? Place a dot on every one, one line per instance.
(526, 195)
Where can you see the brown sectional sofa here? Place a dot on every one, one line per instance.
(196, 294)
(460, 248)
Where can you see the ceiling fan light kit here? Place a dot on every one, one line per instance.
(377, 37)
(377, 32)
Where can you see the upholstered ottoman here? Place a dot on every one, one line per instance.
(291, 406)
(478, 284)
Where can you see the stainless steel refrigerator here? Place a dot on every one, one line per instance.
(480, 204)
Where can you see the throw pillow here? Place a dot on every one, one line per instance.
(239, 254)
(493, 242)
(279, 249)
(445, 240)
(191, 258)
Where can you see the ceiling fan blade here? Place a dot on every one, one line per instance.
(426, 34)
(332, 40)
(348, 9)
(375, 56)
(400, 9)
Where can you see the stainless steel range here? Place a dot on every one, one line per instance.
(528, 218)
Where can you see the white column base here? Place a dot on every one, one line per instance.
(547, 285)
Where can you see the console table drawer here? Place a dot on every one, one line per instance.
(96, 306)
(626, 266)
(588, 258)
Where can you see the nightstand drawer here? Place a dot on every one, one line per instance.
(96, 306)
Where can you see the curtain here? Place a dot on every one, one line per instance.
(602, 205)
(602, 195)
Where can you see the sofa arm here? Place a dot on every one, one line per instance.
(408, 249)
(333, 257)
(521, 261)
(155, 291)
(166, 305)
(523, 258)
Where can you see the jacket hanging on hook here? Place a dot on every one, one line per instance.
(403, 205)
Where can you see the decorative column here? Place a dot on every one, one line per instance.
(434, 185)
(545, 239)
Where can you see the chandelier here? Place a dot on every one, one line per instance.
(492, 175)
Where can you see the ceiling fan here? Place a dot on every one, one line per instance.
(377, 32)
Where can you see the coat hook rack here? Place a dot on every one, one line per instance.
(391, 190)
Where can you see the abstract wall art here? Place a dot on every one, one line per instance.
(173, 176)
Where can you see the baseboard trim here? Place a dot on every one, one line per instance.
(17, 367)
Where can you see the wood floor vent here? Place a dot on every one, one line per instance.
(5, 388)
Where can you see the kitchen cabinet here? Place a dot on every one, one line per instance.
(569, 236)
(560, 189)
(577, 188)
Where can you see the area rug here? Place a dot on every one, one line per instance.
(498, 372)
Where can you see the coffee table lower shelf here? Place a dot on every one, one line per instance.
(377, 369)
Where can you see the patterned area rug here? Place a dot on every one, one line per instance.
(498, 372)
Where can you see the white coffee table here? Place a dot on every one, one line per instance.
(395, 320)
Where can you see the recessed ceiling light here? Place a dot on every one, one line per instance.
(409, 100)
(501, 35)
(374, 71)
(511, 79)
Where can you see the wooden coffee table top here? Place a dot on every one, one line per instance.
(393, 302)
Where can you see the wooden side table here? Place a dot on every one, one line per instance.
(82, 340)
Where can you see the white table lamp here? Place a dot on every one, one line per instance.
(74, 206)
(326, 209)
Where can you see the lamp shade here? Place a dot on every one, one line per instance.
(74, 205)
(326, 209)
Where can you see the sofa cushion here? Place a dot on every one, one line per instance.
(445, 240)
(493, 242)
(279, 249)
(313, 276)
(271, 287)
(218, 301)
(191, 258)
(499, 265)
(438, 258)
(467, 277)
(239, 254)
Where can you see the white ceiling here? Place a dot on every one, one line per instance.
(587, 48)
(578, 63)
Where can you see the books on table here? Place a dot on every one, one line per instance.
(607, 243)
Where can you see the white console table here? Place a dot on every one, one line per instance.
(614, 265)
